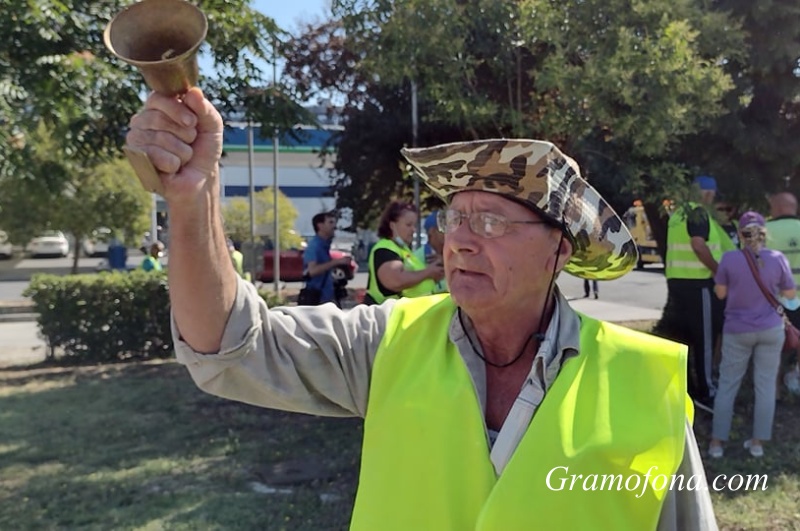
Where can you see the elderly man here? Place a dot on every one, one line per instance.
(494, 407)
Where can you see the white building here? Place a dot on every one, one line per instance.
(302, 175)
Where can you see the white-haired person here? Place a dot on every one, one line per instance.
(753, 330)
(479, 404)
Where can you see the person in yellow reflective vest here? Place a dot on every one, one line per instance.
(394, 270)
(152, 261)
(783, 234)
(237, 258)
(693, 314)
(431, 251)
(496, 406)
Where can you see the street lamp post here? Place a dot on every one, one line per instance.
(414, 128)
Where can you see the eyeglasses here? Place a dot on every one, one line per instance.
(754, 233)
(484, 224)
(724, 209)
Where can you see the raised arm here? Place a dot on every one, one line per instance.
(183, 138)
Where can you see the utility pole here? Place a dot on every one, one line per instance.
(414, 128)
(276, 255)
(252, 192)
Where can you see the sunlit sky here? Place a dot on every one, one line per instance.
(287, 13)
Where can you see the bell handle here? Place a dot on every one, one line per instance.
(144, 170)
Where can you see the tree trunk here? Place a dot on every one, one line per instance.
(76, 251)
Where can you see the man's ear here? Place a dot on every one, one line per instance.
(563, 252)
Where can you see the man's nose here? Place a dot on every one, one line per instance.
(462, 239)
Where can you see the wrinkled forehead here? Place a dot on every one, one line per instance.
(474, 201)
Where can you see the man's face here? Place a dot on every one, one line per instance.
(509, 271)
(724, 211)
(328, 227)
(707, 196)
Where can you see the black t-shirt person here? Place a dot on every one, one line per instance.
(380, 257)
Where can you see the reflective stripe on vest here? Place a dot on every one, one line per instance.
(784, 235)
(615, 411)
(410, 263)
(682, 262)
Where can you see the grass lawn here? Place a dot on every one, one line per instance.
(138, 446)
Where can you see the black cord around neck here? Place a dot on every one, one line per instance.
(539, 335)
(481, 356)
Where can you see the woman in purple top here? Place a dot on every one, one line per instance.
(752, 329)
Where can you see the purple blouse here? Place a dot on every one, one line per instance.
(746, 308)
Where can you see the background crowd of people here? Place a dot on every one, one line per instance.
(716, 266)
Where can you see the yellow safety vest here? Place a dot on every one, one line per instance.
(411, 262)
(154, 264)
(619, 408)
(238, 262)
(784, 235)
(682, 262)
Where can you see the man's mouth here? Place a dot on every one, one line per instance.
(467, 272)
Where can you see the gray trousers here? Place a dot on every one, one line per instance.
(737, 349)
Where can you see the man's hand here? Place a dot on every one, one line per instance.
(700, 248)
(183, 139)
(435, 271)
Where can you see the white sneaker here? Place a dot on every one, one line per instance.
(756, 450)
(715, 452)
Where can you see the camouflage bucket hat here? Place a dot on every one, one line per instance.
(538, 175)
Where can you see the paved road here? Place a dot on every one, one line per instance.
(20, 344)
(638, 295)
(11, 290)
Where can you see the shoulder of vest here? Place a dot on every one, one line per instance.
(641, 340)
(408, 309)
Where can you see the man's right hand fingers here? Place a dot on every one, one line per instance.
(161, 141)
(156, 120)
(173, 108)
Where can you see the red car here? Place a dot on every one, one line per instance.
(292, 266)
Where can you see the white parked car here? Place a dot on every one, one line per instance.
(97, 242)
(6, 251)
(49, 243)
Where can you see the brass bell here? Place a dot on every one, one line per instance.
(161, 39)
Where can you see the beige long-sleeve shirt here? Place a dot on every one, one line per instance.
(318, 360)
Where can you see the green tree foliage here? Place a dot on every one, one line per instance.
(55, 70)
(755, 146)
(236, 214)
(616, 84)
(59, 191)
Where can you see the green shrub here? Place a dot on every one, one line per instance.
(108, 317)
(272, 299)
(104, 317)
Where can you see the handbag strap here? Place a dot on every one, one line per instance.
(756, 275)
